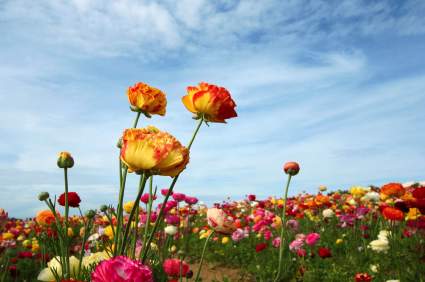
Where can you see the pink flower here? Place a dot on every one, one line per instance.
(238, 235)
(312, 238)
(179, 197)
(293, 224)
(267, 234)
(296, 245)
(276, 242)
(145, 198)
(165, 191)
(122, 269)
(191, 200)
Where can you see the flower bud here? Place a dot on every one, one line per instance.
(65, 160)
(103, 208)
(43, 196)
(291, 168)
(119, 143)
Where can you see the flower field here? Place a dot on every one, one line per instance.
(358, 234)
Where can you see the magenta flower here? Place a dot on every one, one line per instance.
(145, 198)
(122, 269)
(191, 200)
(179, 197)
(312, 238)
(276, 242)
(296, 245)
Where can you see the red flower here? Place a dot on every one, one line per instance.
(393, 189)
(393, 214)
(419, 193)
(324, 252)
(73, 200)
(251, 198)
(260, 247)
(172, 267)
(291, 168)
(363, 277)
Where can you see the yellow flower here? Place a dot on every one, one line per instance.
(108, 232)
(204, 234)
(147, 99)
(358, 191)
(413, 214)
(212, 101)
(322, 188)
(47, 274)
(128, 206)
(94, 259)
(225, 240)
(70, 232)
(26, 243)
(8, 236)
(339, 241)
(149, 149)
(277, 221)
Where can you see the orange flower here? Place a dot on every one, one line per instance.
(214, 102)
(393, 189)
(393, 214)
(149, 149)
(45, 217)
(147, 99)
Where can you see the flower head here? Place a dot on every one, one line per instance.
(149, 149)
(73, 199)
(291, 168)
(121, 269)
(172, 267)
(212, 101)
(45, 217)
(393, 189)
(65, 160)
(312, 238)
(393, 214)
(220, 221)
(147, 99)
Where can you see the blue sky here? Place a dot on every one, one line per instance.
(338, 86)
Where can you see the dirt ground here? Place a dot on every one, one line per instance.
(216, 273)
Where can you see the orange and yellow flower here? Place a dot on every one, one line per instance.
(393, 214)
(147, 99)
(45, 217)
(212, 101)
(151, 150)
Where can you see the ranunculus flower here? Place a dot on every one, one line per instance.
(128, 206)
(393, 214)
(147, 99)
(191, 200)
(73, 199)
(145, 198)
(45, 217)
(291, 168)
(212, 101)
(172, 267)
(179, 197)
(328, 213)
(171, 230)
(324, 252)
(260, 247)
(220, 221)
(122, 269)
(393, 189)
(296, 245)
(47, 274)
(149, 149)
(363, 277)
(419, 193)
(312, 238)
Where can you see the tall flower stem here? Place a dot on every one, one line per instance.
(148, 215)
(123, 177)
(282, 231)
(170, 190)
(67, 272)
(202, 256)
(143, 179)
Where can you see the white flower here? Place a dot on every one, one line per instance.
(170, 230)
(379, 245)
(374, 268)
(371, 196)
(383, 235)
(54, 265)
(393, 280)
(328, 213)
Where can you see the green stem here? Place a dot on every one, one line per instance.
(87, 227)
(136, 120)
(120, 211)
(170, 190)
(202, 256)
(148, 216)
(142, 183)
(67, 273)
(282, 231)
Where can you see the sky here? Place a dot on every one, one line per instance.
(338, 86)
